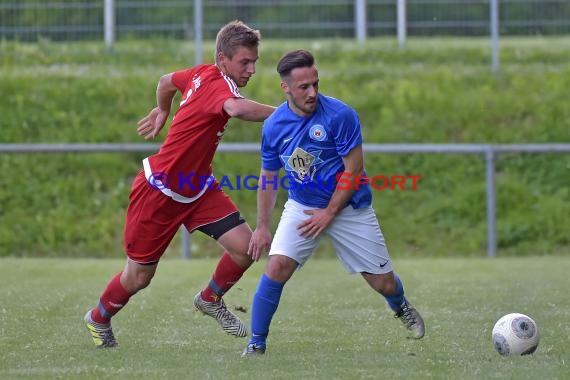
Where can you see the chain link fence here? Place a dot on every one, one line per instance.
(75, 20)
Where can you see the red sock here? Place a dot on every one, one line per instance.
(227, 273)
(113, 299)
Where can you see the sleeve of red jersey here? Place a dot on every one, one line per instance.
(181, 78)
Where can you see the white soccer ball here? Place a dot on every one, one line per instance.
(515, 334)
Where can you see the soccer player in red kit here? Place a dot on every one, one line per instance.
(168, 192)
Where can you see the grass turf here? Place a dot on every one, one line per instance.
(329, 325)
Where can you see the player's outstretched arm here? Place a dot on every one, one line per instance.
(353, 168)
(248, 110)
(266, 199)
(149, 127)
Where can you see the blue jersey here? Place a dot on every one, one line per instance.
(310, 149)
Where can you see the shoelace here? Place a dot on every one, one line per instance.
(226, 314)
(107, 337)
(221, 311)
(252, 347)
(407, 314)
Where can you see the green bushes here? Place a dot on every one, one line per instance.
(434, 91)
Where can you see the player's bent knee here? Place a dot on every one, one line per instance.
(137, 282)
(241, 258)
(280, 268)
(135, 279)
(384, 284)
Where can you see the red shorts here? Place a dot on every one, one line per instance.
(154, 218)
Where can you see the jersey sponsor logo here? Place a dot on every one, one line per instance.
(302, 165)
(317, 132)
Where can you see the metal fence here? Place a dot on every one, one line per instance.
(489, 152)
(74, 20)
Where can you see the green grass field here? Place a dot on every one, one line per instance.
(329, 325)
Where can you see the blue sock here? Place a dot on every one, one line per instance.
(396, 300)
(265, 302)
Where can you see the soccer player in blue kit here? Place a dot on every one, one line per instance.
(317, 140)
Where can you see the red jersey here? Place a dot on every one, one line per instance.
(185, 158)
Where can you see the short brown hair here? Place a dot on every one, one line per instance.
(293, 60)
(235, 34)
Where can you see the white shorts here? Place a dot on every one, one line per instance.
(355, 234)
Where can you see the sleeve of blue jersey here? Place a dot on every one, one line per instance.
(269, 150)
(347, 131)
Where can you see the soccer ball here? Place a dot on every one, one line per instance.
(515, 334)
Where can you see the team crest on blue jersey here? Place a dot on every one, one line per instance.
(317, 132)
(302, 165)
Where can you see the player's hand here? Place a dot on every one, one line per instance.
(149, 127)
(320, 219)
(260, 243)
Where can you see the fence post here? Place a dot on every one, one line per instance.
(185, 243)
(494, 35)
(491, 202)
(360, 19)
(109, 23)
(198, 59)
(198, 20)
(401, 20)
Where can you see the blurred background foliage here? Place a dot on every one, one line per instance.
(436, 90)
